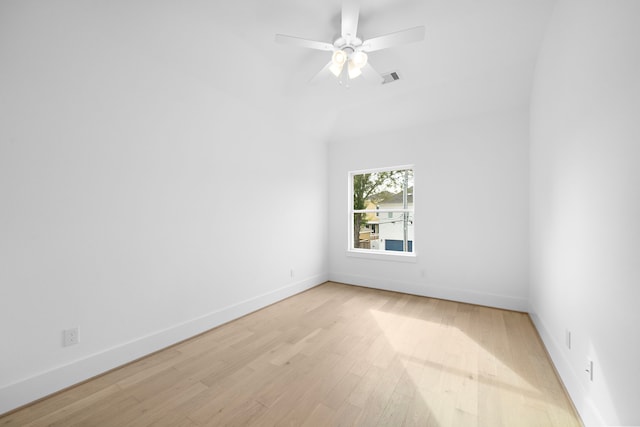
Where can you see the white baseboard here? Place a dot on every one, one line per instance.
(432, 291)
(584, 405)
(30, 389)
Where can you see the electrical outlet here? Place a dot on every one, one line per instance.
(292, 272)
(70, 337)
(567, 338)
(589, 370)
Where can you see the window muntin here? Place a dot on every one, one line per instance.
(381, 214)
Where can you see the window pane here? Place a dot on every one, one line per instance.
(381, 189)
(384, 234)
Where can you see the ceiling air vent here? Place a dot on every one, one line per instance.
(390, 77)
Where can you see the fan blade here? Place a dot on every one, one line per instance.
(410, 35)
(297, 41)
(323, 74)
(350, 11)
(371, 75)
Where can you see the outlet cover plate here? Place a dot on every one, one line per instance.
(70, 337)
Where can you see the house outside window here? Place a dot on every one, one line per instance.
(381, 214)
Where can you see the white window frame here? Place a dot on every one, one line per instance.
(375, 254)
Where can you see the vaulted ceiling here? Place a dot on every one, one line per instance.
(478, 55)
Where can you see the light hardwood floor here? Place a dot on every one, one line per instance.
(334, 355)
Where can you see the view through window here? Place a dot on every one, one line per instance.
(381, 214)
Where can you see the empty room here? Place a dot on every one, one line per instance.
(320, 213)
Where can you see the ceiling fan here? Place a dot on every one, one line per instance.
(350, 50)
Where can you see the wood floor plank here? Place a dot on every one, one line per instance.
(320, 416)
(334, 355)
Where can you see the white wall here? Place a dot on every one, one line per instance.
(585, 197)
(471, 209)
(128, 131)
(138, 182)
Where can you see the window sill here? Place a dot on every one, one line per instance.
(383, 256)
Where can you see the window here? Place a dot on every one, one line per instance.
(381, 214)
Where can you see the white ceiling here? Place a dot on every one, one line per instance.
(478, 55)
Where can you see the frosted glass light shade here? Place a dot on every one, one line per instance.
(359, 59)
(354, 70)
(338, 60)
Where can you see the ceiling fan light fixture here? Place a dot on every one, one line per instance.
(339, 57)
(359, 59)
(338, 60)
(354, 70)
(336, 70)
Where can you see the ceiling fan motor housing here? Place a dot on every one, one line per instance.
(352, 43)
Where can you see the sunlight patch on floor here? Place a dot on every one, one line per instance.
(457, 373)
